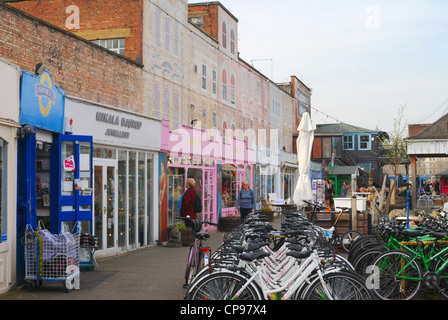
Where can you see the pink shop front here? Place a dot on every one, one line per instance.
(218, 164)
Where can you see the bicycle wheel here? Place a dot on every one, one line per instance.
(340, 286)
(443, 275)
(349, 238)
(365, 243)
(223, 286)
(366, 259)
(397, 276)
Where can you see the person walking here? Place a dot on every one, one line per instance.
(245, 201)
(187, 200)
(344, 190)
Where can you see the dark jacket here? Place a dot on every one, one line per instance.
(187, 204)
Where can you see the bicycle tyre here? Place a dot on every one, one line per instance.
(342, 286)
(389, 285)
(349, 238)
(360, 246)
(223, 286)
(366, 259)
(443, 275)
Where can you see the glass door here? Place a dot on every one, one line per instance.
(209, 196)
(105, 208)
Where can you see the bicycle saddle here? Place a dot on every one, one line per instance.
(249, 256)
(298, 254)
(202, 235)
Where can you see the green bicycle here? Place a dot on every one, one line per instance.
(399, 274)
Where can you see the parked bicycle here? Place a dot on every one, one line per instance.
(301, 266)
(347, 239)
(198, 256)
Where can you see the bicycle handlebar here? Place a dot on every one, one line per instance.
(187, 218)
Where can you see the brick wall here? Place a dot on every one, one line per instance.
(82, 69)
(94, 19)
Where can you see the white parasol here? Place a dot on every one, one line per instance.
(304, 147)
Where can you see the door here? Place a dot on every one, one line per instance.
(240, 177)
(208, 206)
(105, 206)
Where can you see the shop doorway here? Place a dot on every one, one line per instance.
(105, 206)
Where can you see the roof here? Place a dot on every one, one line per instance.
(437, 130)
(339, 128)
(344, 170)
(442, 173)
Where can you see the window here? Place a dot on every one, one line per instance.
(224, 85)
(364, 142)
(347, 142)
(224, 35)
(232, 89)
(115, 45)
(176, 38)
(214, 77)
(158, 32)
(156, 97)
(166, 103)
(232, 41)
(204, 77)
(167, 33)
(366, 167)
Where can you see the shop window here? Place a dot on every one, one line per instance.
(176, 186)
(43, 189)
(122, 198)
(3, 181)
(149, 197)
(229, 187)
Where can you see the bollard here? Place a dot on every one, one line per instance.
(354, 220)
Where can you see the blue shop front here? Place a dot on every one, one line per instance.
(54, 166)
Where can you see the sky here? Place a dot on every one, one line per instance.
(362, 59)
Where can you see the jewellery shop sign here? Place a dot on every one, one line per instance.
(113, 126)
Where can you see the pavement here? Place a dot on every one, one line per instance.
(151, 273)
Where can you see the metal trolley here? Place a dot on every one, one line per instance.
(50, 257)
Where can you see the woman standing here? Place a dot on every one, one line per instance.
(245, 201)
(187, 200)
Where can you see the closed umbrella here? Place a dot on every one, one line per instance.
(304, 147)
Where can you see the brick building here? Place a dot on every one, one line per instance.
(96, 85)
(165, 61)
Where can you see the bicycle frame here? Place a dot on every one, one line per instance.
(295, 282)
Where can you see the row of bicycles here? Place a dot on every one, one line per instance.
(257, 262)
(399, 262)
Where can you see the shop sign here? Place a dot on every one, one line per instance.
(41, 102)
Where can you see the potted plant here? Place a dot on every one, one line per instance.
(229, 222)
(186, 234)
(268, 212)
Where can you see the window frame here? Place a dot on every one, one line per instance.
(352, 142)
(368, 142)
